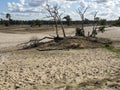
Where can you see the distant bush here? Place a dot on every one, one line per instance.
(6, 23)
(79, 32)
(35, 23)
(116, 23)
(98, 30)
(68, 19)
(101, 29)
(103, 22)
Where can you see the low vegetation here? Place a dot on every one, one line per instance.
(113, 49)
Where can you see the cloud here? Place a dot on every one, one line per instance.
(22, 2)
(37, 3)
(106, 8)
(100, 1)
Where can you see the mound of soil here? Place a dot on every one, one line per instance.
(69, 43)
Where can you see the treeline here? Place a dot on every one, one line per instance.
(48, 22)
(117, 22)
(41, 22)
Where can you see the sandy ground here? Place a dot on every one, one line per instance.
(111, 32)
(98, 68)
(55, 70)
(9, 39)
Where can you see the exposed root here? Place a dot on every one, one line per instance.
(36, 42)
(51, 49)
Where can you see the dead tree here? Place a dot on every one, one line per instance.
(52, 14)
(56, 15)
(63, 30)
(95, 24)
(81, 11)
(96, 29)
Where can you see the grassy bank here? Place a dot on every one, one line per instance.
(113, 49)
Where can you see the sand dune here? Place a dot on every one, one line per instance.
(58, 70)
(9, 39)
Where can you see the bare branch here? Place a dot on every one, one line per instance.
(95, 14)
(85, 10)
(56, 15)
(81, 12)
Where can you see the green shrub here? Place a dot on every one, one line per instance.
(101, 29)
(79, 32)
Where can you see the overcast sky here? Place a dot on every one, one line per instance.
(33, 9)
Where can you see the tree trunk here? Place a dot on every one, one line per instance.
(56, 26)
(62, 28)
(83, 32)
(82, 24)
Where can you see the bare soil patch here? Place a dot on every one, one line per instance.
(85, 69)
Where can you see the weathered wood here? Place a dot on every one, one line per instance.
(37, 42)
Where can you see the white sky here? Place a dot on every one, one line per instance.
(32, 9)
